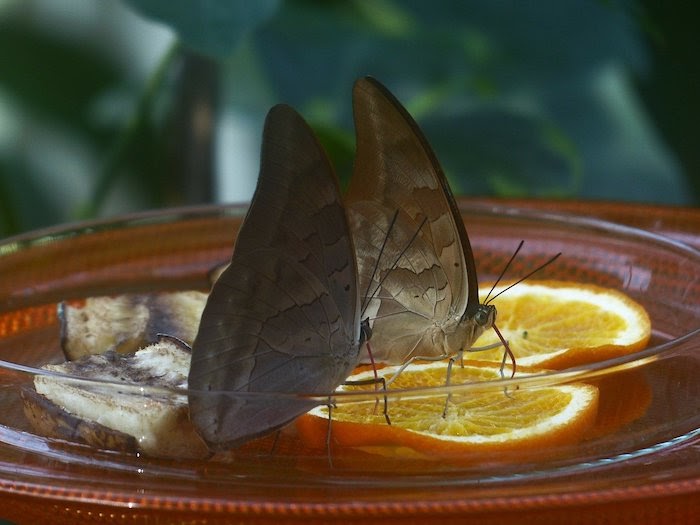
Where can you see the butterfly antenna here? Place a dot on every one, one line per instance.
(398, 257)
(533, 272)
(405, 249)
(275, 442)
(368, 296)
(379, 381)
(503, 272)
(328, 433)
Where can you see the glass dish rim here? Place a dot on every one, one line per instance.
(26, 241)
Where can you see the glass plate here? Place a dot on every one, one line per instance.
(642, 471)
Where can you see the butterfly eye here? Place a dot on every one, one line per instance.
(483, 315)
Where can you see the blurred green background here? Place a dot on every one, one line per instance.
(112, 106)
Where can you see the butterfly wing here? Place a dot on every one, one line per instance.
(417, 277)
(284, 316)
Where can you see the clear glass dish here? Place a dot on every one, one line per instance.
(649, 466)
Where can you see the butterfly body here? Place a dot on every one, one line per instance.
(417, 276)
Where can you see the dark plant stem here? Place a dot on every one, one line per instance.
(109, 173)
(190, 159)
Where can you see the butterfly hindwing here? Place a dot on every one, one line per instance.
(284, 316)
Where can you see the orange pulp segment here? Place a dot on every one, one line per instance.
(479, 423)
(557, 325)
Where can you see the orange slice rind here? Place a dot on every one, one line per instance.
(557, 325)
(477, 424)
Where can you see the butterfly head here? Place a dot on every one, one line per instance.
(478, 320)
(484, 316)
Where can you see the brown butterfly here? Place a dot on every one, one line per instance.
(417, 277)
(283, 318)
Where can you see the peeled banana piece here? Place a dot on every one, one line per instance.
(129, 402)
(127, 356)
(125, 323)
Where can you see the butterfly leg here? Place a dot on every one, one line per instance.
(328, 433)
(430, 358)
(376, 381)
(413, 360)
(507, 352)
(475, 349)
(275, 442)
(447, 383)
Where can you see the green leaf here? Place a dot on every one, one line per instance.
(500, 152)
(340, 147)
(24, 202)
(52, 77)
(212, 27)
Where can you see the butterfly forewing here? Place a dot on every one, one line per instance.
(416, 269)
(284, 316)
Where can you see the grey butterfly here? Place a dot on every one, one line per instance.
(417, 276)
(284, 316)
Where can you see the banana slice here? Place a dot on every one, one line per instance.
(134, 415)
(125, 323)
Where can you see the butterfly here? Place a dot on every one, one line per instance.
(283, 318)
(417, 277)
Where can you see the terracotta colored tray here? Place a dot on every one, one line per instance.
(679, 223)
(39, 483)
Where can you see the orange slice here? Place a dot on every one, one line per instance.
(556, 325)
(485, 422)
(625, 397)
